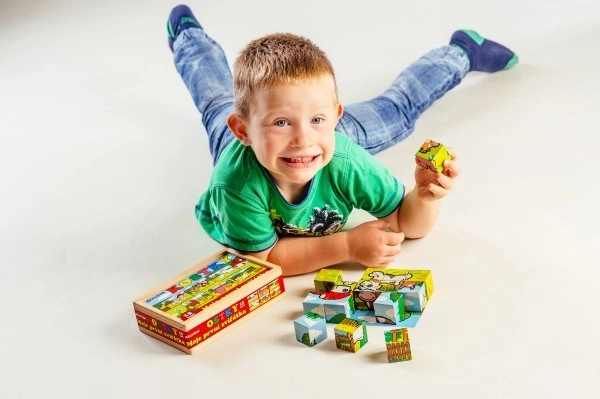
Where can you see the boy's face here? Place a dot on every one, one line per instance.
(291, 130)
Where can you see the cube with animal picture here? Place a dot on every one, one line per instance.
(415, 285)
(310, 329)
(431, 155)
(326, 279)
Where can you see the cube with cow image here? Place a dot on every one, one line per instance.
(310, 329)
(416, 286)
(338, 303)
(335, 304)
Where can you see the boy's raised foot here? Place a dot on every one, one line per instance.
(485, 55)
(181, 18)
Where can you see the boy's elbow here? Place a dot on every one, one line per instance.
(416, 234)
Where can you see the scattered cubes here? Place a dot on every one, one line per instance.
(314, 303)
(311, 329)
(397, 345)
(351, 335)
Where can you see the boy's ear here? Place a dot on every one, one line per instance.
(238, 127)
(340, 111)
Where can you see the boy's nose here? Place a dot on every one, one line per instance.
(302, 136)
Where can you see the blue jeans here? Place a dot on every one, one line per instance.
(375, 124)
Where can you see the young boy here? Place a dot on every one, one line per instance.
(291, 162)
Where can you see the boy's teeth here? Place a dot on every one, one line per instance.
(299, 160)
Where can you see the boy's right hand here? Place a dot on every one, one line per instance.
(371, 244)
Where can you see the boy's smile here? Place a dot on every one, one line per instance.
(291, 131)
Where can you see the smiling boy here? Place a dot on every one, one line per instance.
(291, 163)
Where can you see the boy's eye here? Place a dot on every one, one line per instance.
(317, 120)
(281, 123)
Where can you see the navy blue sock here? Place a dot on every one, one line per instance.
(181, 18)
(485, 55)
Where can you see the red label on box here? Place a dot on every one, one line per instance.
(217, 322)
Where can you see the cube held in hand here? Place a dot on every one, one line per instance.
(432, 155)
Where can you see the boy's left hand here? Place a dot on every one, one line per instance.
(433, 186)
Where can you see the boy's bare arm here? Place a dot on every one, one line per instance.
(415, 217)
(369, 244)
(375, 243)
(421, 206)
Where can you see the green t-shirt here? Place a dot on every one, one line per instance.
(243, 209)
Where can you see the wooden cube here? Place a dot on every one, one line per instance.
(389, 308)
(397, 345)
(326, 279)
(350, 335)
(313, 302)
(415, 297)
(338, 308)
(310, 329)
(432, 155)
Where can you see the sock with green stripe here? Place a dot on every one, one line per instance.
(181, 18)
(485, 55)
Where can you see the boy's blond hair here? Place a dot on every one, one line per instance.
(277, 58)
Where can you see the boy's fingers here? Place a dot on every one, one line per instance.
(451, 168)
(445, 181)
(437, 191)
(452, 152)
(381, 224)
(394, 239)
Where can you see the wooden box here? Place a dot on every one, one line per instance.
(206, 300)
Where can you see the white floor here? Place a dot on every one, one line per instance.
(103, 156)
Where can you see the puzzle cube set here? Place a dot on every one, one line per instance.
(206, 300)
(310, 328)
(383, 296)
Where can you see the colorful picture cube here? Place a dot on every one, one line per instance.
(397, 345)
(314, 303)
(310, 329)
(338, 308)
(432, 155)
(326, 279)
(415, 285)
(415, 297)
(351, 335)
(389, 308)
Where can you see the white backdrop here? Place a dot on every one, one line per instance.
(103, 156)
